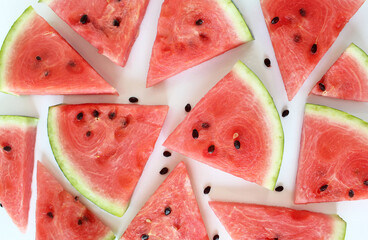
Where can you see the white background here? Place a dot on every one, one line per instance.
(189, 87)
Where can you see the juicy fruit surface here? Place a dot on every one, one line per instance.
(300, 25)
(103, 148)
(250, 221)
(183, 221)
(59, 215)
(333, 162)
(110, 26)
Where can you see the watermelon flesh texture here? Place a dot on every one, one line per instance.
(170, 213)
(238, 109)
(250, 221)
(347, 78)
(35, 59)
(17, 143)
(103, 153)
(333, 163)
(191, 32)
(305, 30)
(110, 26)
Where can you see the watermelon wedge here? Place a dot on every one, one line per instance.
(35, 59)
(110, 26)
(333, 163)
(59, 215)
(301, 33)
(103, 148)
(250, 221)
(347, 78)
(170, 213)
(191, 32)
(17, 143)
(236, 128)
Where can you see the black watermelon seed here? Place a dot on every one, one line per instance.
(199, 22)
(167, 211)
(322, 87)
(144, 237)
(96, 114)
(267, 62)
(188, 107)
(237, 144)
(46, 73)
(50, 215)
(297, 38)
(167, 154)
(211, 149)
(275, 20)
(76, 198)
(195, 134)
(207, 190)
(72, 63)
(302, 12)
(80, 222)
(116, 23)
(351, 193)
(133, 99)
(164, 171)
(38, 58)
(112, 115)
(323, 188)
(366, 182)
(88, 134)
(7, 148)
(84, 19)
(314, 48)
(216, 237)
(205, 125)
(285, 113)
(1, 205)
(80, 116)
(279, 189)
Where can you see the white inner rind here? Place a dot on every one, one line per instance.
(339, 228)
(357, 53)
(18, 121)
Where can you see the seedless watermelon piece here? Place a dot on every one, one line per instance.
(17, 142)
(301, 33)
(236, 128)
(347, 78)
(170, 213)
(35, 59)
(249, 221)
(103, 148)
(333, 160)
(193, 31)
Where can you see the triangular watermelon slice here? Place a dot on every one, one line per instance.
(301, 33)
(191, 32)
(111, 26)
(170, 213)
(333, 160)
(236, 128)
(35, 59)
(59, 215)
(250, 221)
(17, 143)
(347, 78)
(103, 148)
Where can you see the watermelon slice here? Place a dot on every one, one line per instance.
(193, 31)
(347, 78)
(17, 142)
(333, 163)
(301, 33)
(236, 128)
(171, 212)
(35, 59)
(59, 215)
(250, 221)
(103, 148)
(110, 26)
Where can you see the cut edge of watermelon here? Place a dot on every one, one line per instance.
(20, 121)
(358, 54)
(339, 229)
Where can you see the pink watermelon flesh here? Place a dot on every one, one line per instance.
(110, 26)
(301, 33)
(250, 221)
(103, 148)
(17, 142)
(35, 59)
(170, 213)
(59, 215)
(191, 32)
(333, 163)
(347, 78)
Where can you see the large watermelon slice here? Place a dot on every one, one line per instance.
(171, 212)
(250, 221)
(333, 160)
(347, 78)
(103, 148)
(236, 128)
(191, 32)
(17, 142)
(110, 26)
(35, 59)
(59, 215)
(301, 33)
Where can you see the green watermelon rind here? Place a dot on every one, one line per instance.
(110, 236)
(339, 228)
(358, 54)
(19, 121)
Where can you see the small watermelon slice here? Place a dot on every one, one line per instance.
(347, 78)
(170, 213)
(59, 215)
(333, 160)
(301, 33)
(250, 221)
(35, 59)
(103, 148)
(17, 142)
(193, 31)
(110, 26)
(236, 128)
